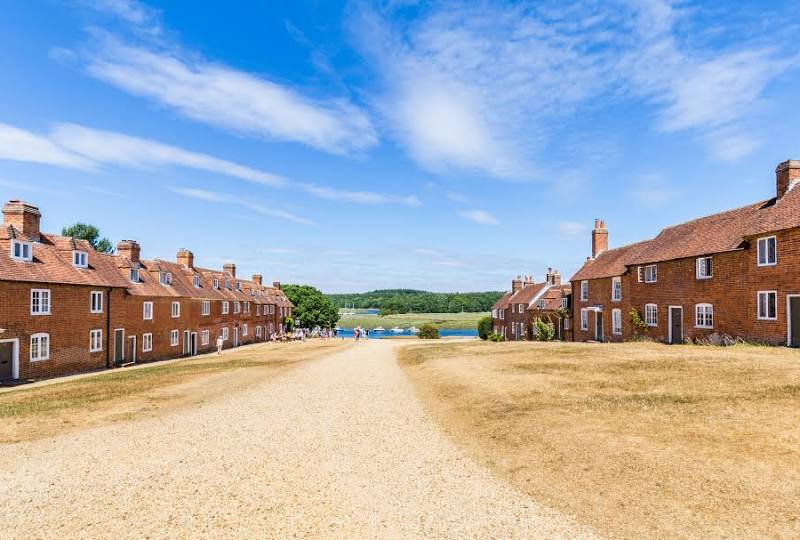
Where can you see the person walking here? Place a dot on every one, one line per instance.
(220, 343)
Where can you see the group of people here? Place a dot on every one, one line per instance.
(361, 333)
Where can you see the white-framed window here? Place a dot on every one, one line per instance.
(147, 311)
(133, 275)
(216, 283)
(244, 330)
(258, 310)
(767, 305)
(80, 259)
(616, 289)
(95, 340)
(650, 273)
(206, 308)
(565, 302)
(651, 314)
(247, 307)
(21, 251)
(40, 347)
(584, 319)
(542, 303)
(502, 313)
(640, 274)
(96, 302)
(165, 278)
(238, 285)
(567, 324)
(584, 291)
(174, 338)
(225, 333)
(704, 316)
(616, 321)
(258, 331)
(176, 310)
(40, 301)
(225, 307)
(237, 307)
(705, 268)
(204, 337)
(147, 342)
(196, 281)
(227, 284)
(767, 251)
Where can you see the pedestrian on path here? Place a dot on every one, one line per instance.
(220, 343)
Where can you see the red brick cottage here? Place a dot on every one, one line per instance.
(732, 273)
(66, 308)
(514, 313)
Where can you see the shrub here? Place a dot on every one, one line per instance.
(640, 327)
(289, 322)
(428, 331)
(484, 328)
(496, 337)
(544, 331)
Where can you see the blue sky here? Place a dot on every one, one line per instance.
(359, 145)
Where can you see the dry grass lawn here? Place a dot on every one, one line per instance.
(636, 440)
(31, 413)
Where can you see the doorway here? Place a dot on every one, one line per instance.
(187, 346)
(132, 349)
(119, 345)
(235, 336)
(193, 344)
(9, 359)
(598, 325)
(675, 325)
(793, 320)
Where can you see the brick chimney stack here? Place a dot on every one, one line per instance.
(787, 175)
(528, 281)
(257, 279)
(276, 285)
(599, 238)
(24, 217)
(553, 277)
(185, 258)
(129, 249)
(516, 284)
(230, 268)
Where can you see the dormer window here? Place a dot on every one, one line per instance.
(216, 283)
(133, 276)
(196, 280)
(541, 304)
(238, 285)
(21, 251)
(165, 278)
(227, 285)
(80, 259)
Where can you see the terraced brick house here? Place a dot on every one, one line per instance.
(65, 308)
(728, 274)
(514, 313)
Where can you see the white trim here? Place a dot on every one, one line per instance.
(697, 266)
(538, 295)
(655, 273)
(22, 245)
(703, 304)
(669, 321)
(654, 325)
(135, 344)
(582, 297)
(584, 319)
(14, 356)
(40, 358)
(788, 318)
(144, 342)
(177, 335)
(204, 337)
(144, 311)
(91, 301)
(114, 352)
(615, 280)
(758, 251)
(758, 306)
(49, 302)
(205, 308)
(176, 313)
(82, 258)
(100, 341)
(616, 311)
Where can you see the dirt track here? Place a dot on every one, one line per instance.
(337, 448)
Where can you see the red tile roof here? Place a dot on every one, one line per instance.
(526, 293)
(609, 263)
(502, 302)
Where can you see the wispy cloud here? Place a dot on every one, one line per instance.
(361, 197)
(225, 198)
(278, 251)
(232, 99)
(479, 216)
(133, 12)
(21, 145)
(571, 229)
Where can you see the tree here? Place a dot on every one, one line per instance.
(484, 327)
(91, 234)
(312, 308)
(428, 331)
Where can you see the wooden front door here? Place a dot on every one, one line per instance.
(131, 348)
(119, 346)
(6, 360)
(676, 325)
(794, 321)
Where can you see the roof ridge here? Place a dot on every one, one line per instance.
(718, 214)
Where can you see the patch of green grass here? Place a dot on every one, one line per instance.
(450, 321)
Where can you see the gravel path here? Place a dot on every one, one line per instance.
(337, 448)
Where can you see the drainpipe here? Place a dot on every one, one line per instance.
(108, 329)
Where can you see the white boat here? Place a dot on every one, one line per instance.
(413, 330)
(379, 329)
(397, 330)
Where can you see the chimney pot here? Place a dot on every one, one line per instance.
(276, 285)
(787, 174)
(185, 258)
(129, 249)
(599, 238)
(25, 217)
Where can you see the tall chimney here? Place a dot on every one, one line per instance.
(276, 285)
(129, 249)
(185, 258)
(257, 279)
(787, 175)
(516, 284)
(528, 281)
(230, 268)
(553, 277)
(599, 238)
(24, 217)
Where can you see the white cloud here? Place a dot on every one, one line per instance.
(21, 145)
(225, 198)
(130, 11)
(479, 216)
(571, 229)
(361, 197)
(232, 99)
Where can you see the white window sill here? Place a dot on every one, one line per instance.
(95, 350)
(39, 359)
(704, 277)
(766, 264)
(767, 318)
(704, 327)
(652, 325)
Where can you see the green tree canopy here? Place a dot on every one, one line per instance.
(412, 301)
(91, 234)
(312, 308)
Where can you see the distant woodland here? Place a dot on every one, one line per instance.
(391, 301)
